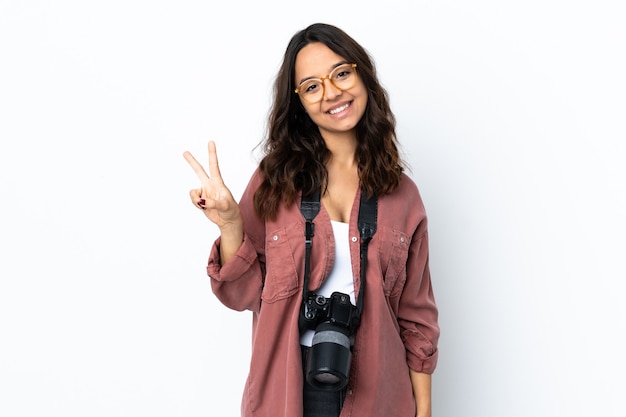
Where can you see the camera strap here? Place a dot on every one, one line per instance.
(368, 213)
(310, 207)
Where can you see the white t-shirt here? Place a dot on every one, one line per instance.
(340, 278)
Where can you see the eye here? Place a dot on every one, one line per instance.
(343, 72)
(310, 87)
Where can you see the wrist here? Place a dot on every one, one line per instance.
(231, 240)
(234, 229)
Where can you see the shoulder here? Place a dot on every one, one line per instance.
(403, 208)
(255, 180)
(406, 193)
(407, 185)
(253, 184)
(253, 223)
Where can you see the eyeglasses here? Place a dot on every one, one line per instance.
(342, 77)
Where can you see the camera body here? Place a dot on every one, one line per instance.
(334, 320)
(336, 309)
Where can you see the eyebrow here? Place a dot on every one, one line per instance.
(331, 70)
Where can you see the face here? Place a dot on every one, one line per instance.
(339, 111)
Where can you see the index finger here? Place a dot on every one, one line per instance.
(195, 165)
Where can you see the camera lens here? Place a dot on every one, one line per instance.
(328, 365)
(327, 378)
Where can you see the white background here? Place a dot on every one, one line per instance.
(511, 115)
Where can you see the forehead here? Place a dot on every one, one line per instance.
(315, 60)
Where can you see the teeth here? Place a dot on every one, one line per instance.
(339, 109)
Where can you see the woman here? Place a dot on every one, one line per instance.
(331, 131)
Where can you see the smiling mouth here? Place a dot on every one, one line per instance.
(339, 109)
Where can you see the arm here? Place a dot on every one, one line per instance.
(231, 241)
(422, 391)
(417, 311)
(236, 262)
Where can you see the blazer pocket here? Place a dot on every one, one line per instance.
(393, 252)
(281, 277)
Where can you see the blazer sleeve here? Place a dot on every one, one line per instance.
(417, 310)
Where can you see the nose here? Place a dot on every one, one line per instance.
(330, 91)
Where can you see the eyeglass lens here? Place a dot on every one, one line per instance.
(342, 77)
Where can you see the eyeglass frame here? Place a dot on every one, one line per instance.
(321, 80)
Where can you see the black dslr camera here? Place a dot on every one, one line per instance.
(334, 321)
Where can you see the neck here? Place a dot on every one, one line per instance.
(343, 149)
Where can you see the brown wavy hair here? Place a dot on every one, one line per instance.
(295, 154)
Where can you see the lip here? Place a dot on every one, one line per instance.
(346, 104)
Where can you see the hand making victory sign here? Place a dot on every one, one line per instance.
(217, 203)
